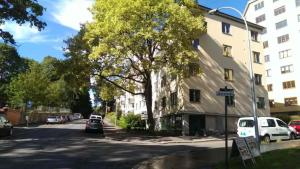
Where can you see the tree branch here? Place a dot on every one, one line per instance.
(119, 86)
(128, 77)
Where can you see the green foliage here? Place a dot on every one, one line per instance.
(77, 68)
(277, 159)
(130, 39)
(131, 121)
(283, 117)
(11, 64)
(82, 104)
(20, 11)
(29, 86)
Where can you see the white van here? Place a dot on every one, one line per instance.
(270, 128)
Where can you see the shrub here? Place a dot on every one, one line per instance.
(285, 118)
(111, 116)
(131, 121)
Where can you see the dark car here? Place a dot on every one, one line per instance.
(6, 128)
(94, 125)
(296, 125)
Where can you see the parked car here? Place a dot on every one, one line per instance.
(270, 128)
(95, 116)
(94, 125)
(6, 128)
(53, 119)
(295, 124)
(77, 116)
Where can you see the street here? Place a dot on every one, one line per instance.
(67, 146)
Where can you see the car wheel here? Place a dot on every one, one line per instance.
(266, 139)
(292, 136)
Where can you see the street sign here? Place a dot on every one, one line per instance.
(144, 116)
(225, 93)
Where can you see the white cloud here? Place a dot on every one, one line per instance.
(25, 33)
(20, 32)
(72, 13)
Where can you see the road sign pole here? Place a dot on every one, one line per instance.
(226, 132)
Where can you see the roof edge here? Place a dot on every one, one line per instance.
(233, 18)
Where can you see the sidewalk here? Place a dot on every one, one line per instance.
(203, 159)
(115, 133)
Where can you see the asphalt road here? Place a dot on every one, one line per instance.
(67, 146)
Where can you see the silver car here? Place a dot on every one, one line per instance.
(94, 125)
(53, 119)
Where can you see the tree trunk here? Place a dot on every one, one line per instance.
(148, 98)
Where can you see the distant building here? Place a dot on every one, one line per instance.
(190, 106)
(281, 38)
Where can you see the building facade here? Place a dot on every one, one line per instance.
(189, 104)
(281, 38)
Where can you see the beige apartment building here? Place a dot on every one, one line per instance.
(190, 106)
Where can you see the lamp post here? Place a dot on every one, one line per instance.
(252, 84)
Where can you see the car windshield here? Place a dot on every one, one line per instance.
(95, 121)
(51, 117)
(295, 123)
(246, 123)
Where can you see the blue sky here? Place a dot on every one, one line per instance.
(63, 18)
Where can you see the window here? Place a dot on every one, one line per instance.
(174, 99)
(271, 123)
(225, 28)
(279, 10)
(298, 17)
(270, 87)
(268, 72)
(286, 69)
(163, 81)
(228, 74)
(281, 123)
(227, 50)
(288, 84)
(246, 123)
(260, 102)
(285, 53)
(265, 44)
(194, 95)
(297, 2)
(256, 57)
(275, 0)
(291, 101)
(196, 43)
(259, 5)
(194, 69)
(267, 58)
(281, 24)
(260, 18)
(271, 103)
(257, 78)
(164, 102)
(254, 36)
(283, 38)
(264, 31)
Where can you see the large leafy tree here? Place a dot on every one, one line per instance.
(131, 39)
(29, 86)
(20, 11)
(11, 64)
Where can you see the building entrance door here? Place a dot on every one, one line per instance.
(196, 125)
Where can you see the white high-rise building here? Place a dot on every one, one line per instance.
(281, 38)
